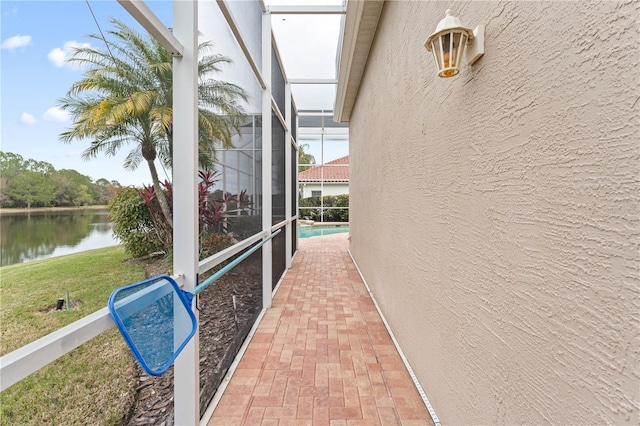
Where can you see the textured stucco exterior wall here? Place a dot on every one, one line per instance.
(505, 203)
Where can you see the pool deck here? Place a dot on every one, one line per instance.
(321, 355)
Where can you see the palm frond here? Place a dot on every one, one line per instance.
(125, 98)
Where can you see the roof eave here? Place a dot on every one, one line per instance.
(324, 181)
(361, 23)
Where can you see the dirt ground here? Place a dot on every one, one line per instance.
(219, 340)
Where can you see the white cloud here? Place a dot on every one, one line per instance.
(27, 118)
(16, 41)
(58, 56)
(56, 114)
(11, 12)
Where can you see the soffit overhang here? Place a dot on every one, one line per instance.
(361, 23)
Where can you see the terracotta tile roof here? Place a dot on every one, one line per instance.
(332, 171)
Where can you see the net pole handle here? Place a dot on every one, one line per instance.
(206, 283)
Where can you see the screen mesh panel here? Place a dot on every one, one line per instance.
(277, 82)
(294, 236)
(278, 170)
(279, 262)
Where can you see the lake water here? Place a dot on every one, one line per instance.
(39, 235)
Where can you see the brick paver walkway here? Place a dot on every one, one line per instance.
(321, 355)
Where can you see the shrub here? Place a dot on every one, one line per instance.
(132, 223)
(215, 243)
(142, 227)
(162, 227)
(310, 208)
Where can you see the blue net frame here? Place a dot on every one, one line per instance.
(155, 319)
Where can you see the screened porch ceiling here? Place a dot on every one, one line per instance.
(308, 36)
(308, 44)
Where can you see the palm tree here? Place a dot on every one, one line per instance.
(305, 158)
(125, 98)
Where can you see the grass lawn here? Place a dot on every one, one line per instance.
(93, 384)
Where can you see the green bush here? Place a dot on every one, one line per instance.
(215, 243)
(310, 208)
(133, 225)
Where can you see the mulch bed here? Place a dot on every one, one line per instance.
(220, 339)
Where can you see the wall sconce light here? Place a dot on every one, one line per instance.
(451, 41)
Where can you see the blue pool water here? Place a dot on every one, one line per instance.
(315, 231)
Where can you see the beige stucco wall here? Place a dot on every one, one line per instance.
(505, 204)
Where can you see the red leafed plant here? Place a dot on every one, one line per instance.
(244, 201)
(212, 212)
(162, 228)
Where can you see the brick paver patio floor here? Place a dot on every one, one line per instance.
(321, 355)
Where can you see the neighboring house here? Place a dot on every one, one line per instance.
(332, 178)
(494, 215)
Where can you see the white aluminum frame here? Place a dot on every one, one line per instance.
(267, 100)
(30, 358)
(288, 173)
(182, 43)
(321, 132)
(307, 10)
(185, 200)
(313, 81)
(145, 17)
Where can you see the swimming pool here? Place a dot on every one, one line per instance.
(315, 231)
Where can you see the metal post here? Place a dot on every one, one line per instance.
(266, 159)
(322, 168)
(296, 188)
(185, 199)
(288, 174)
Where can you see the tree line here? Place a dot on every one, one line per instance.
(31, 183)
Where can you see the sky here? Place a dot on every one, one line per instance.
(36, 38)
